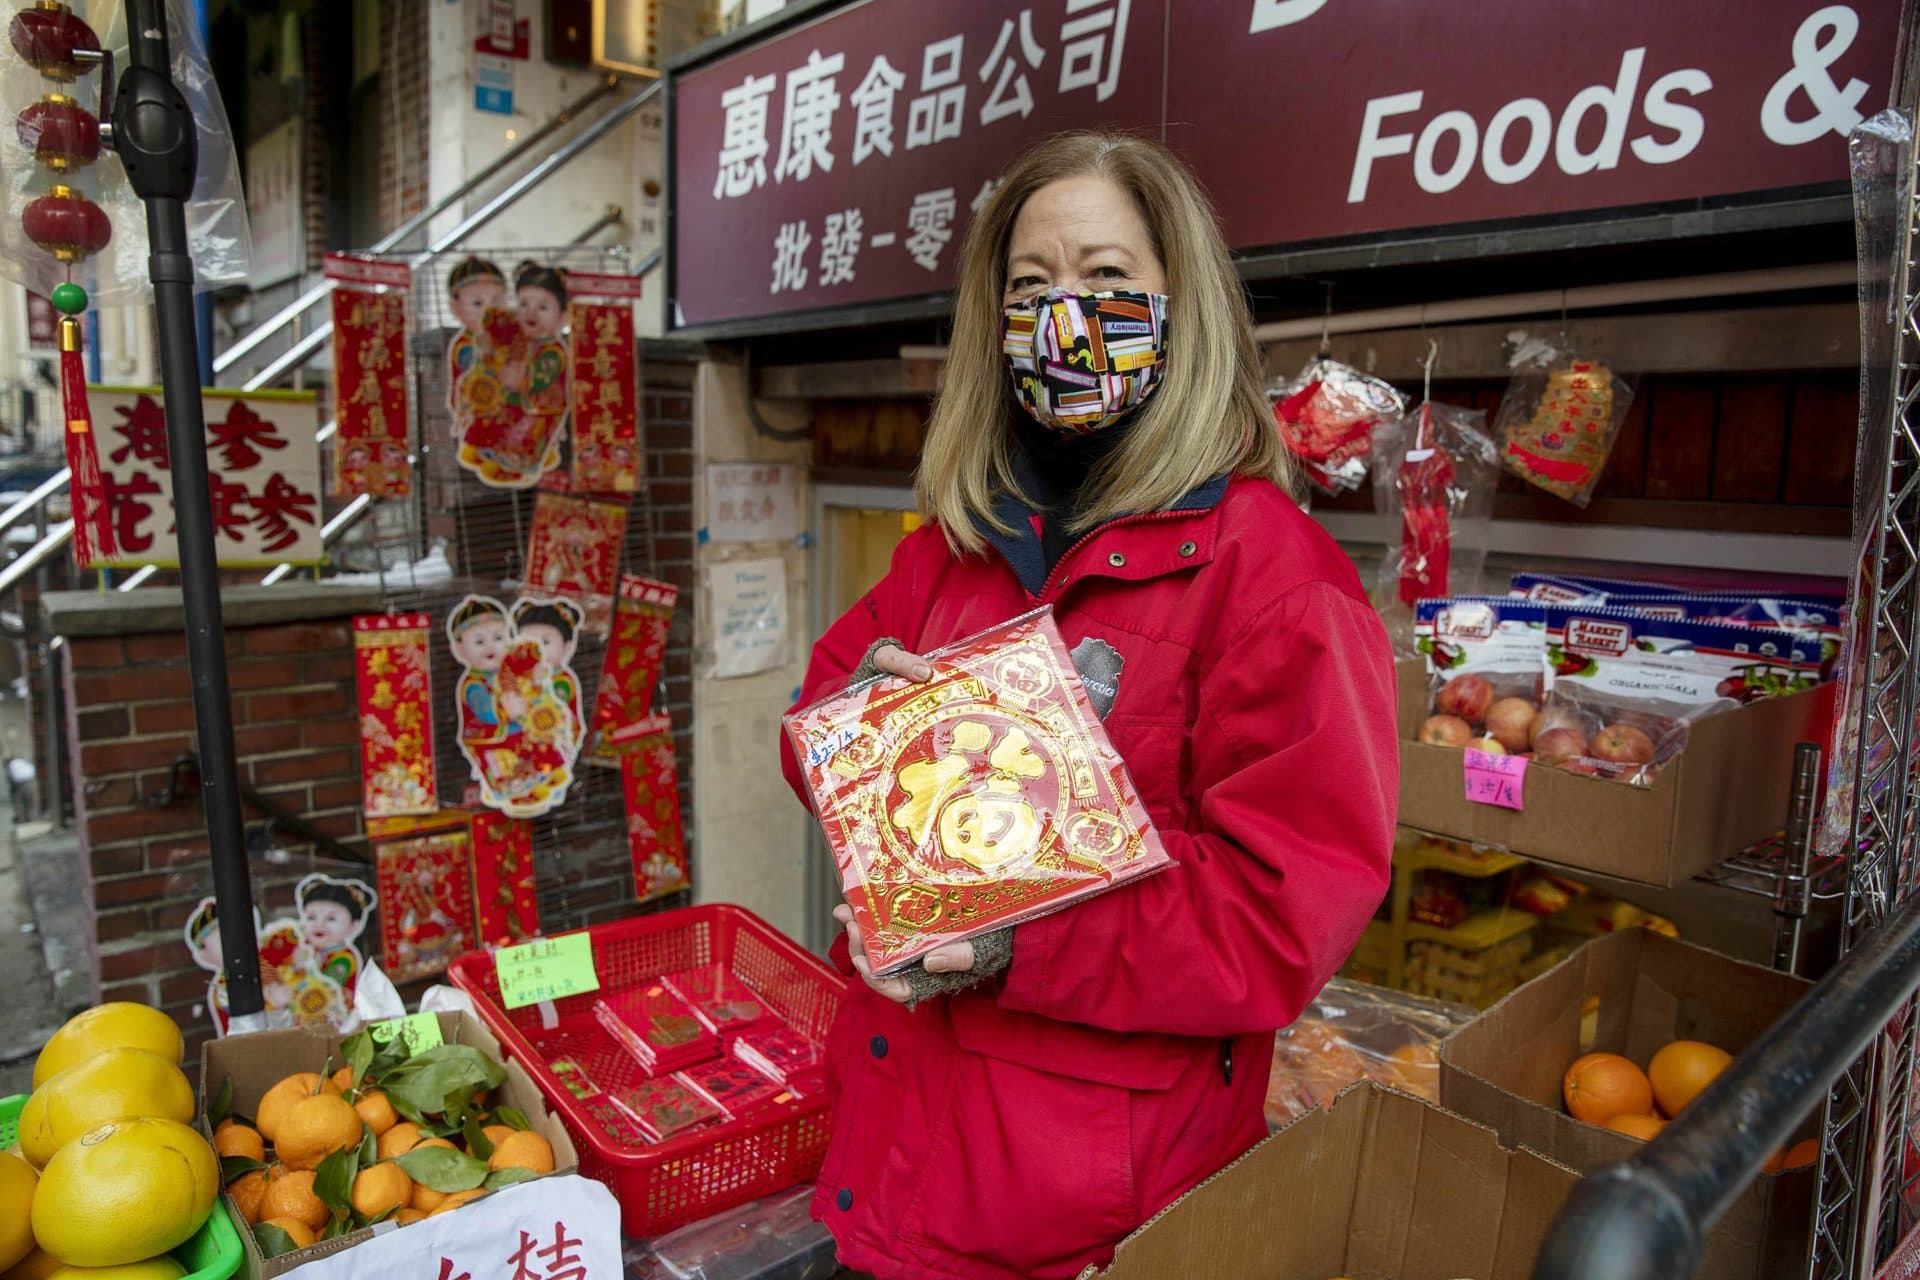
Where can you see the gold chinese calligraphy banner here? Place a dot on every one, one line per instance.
(370, 446)
(983, 798)
(263, 476)
(396, 714)
(606, 386)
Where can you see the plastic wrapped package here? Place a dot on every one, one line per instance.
(1880, 153)
(1327, 414)
(1559, 418)
(217, 231)
(1434, 473)
(1625, 686)
(770, 1239)
(1353, 1032)
(1485, 655)
(983, 798)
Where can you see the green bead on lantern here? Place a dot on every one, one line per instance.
(68, 299)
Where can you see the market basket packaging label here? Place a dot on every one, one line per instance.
(983, 798)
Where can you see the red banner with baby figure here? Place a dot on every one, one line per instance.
(635, 651)
(426, 903)
(396, 714)
(371, 441)
(650, 781)
(606, 384)
(506, 908)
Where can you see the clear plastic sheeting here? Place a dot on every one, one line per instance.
(770, 1239)
(1434, 474)
(1881, 153)
(217, 229)
(1354, 1032)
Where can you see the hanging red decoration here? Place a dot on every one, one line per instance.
(48, 35)
(92, 519)
(505, 905)
(62, 134)
(66, 224)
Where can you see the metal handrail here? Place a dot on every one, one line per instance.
(301, 351)
(1648, 1216)
(58, 535)
(402, 233)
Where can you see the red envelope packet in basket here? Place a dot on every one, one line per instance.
(985, 797)
(731, 1085)
(666, 1107)
(781, 1052)
(657, 1027)
(720, 1000)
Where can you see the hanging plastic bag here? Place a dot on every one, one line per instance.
(52, 134)
(1559, 418)
(1327, 414)
(1434, 473)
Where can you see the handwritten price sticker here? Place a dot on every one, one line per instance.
(420, 1030)
(545, 969)
(1496, 780)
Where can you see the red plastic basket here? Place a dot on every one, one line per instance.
(711, 1170)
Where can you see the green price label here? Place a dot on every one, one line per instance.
(545, 969)
(421, 1031)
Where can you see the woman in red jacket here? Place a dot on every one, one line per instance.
(1101, 444)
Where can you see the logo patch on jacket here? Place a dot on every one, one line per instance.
(1099, 666)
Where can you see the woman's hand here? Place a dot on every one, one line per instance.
(954, 957)
(895, 661)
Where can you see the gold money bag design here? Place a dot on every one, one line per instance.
(989, 826)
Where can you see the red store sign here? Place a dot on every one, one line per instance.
(839, 162)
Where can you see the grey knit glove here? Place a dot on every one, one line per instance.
(992, 955)
(866, 670)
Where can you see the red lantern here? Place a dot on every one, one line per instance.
(48, 35)
(66, 224)
(61, 133)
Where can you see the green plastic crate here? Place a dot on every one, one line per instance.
(211, 1253)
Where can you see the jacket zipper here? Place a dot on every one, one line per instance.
(1046, 588)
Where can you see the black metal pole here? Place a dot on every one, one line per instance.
(153, 132)
(1647, 1217)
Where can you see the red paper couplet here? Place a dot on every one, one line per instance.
(606, 391)
(505, 906)
(396, 714)
(650, 780)
(370, 446)
(635, 650)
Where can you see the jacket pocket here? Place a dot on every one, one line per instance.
(1144, 1061)
(1155, 752)
(1031, 1171)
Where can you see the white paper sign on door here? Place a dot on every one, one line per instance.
(564, 1228)
(749, 616)
(752, 502)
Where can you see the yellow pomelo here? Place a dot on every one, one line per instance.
(17, 1180)
(114, 1084)
(124, 1192)
(37, 1265)
(119, 1025)
(160, 1268)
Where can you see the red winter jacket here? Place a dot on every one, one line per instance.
(1022, 1129)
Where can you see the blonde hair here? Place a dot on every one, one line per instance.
(1209, 414)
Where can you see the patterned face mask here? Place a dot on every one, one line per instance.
(1081, 360)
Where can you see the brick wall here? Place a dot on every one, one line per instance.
(130, 716)
(404, 110)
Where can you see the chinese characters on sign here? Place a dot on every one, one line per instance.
(752, 502)
(396, 714)
(1495, 780)
(606, 391)
(263, 476)
(850, 150)
(370, 445)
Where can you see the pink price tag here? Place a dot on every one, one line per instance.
(1496, 780)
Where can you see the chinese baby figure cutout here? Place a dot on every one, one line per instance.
(333, 914)
(520, 729)
(510, 395)
(474, 286)
(309, 965)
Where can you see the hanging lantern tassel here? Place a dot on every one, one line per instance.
(92, 527)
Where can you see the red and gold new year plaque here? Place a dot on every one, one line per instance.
(987, 796)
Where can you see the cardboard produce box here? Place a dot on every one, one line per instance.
(1630, 993)
(1379, 1185)
(1724, 793)
(257, 1062)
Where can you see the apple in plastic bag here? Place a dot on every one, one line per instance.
(1559, 745)
(1510, 722)
(1623, 744)
(1465, 696)
(1446, 731)
(1488, 746)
